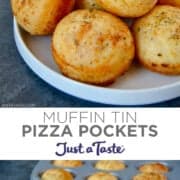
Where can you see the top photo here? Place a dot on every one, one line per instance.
(90, 53)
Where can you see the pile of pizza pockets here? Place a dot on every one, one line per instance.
(97, 41)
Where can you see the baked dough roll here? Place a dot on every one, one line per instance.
(56, 174)
(93, 46)
(157, 38)
(110, 165)
(149, 176)
(154, 168)
(127, 8)
(102, 176)
(170, 2)
(67, 163)
(40, 17)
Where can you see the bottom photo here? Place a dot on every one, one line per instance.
(89, 170)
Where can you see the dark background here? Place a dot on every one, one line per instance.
(19, 86)
(16, 170)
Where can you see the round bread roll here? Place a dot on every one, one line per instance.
(127, 8)
(102, 176)
(170, 2)
(68, 163)
(87, 4)
(93, 46)
(40, 17)
(56, 174)
(110, 165)
(153, 168)
(149, 176)
(157, 37)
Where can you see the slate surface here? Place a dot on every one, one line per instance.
(16, 170)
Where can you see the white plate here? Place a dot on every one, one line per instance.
(137, 87)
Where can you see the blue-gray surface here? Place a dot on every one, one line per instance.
(16, 170)
(19, 86)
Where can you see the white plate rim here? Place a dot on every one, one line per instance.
(90, 92)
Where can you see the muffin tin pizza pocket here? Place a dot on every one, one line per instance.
(132, 168)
